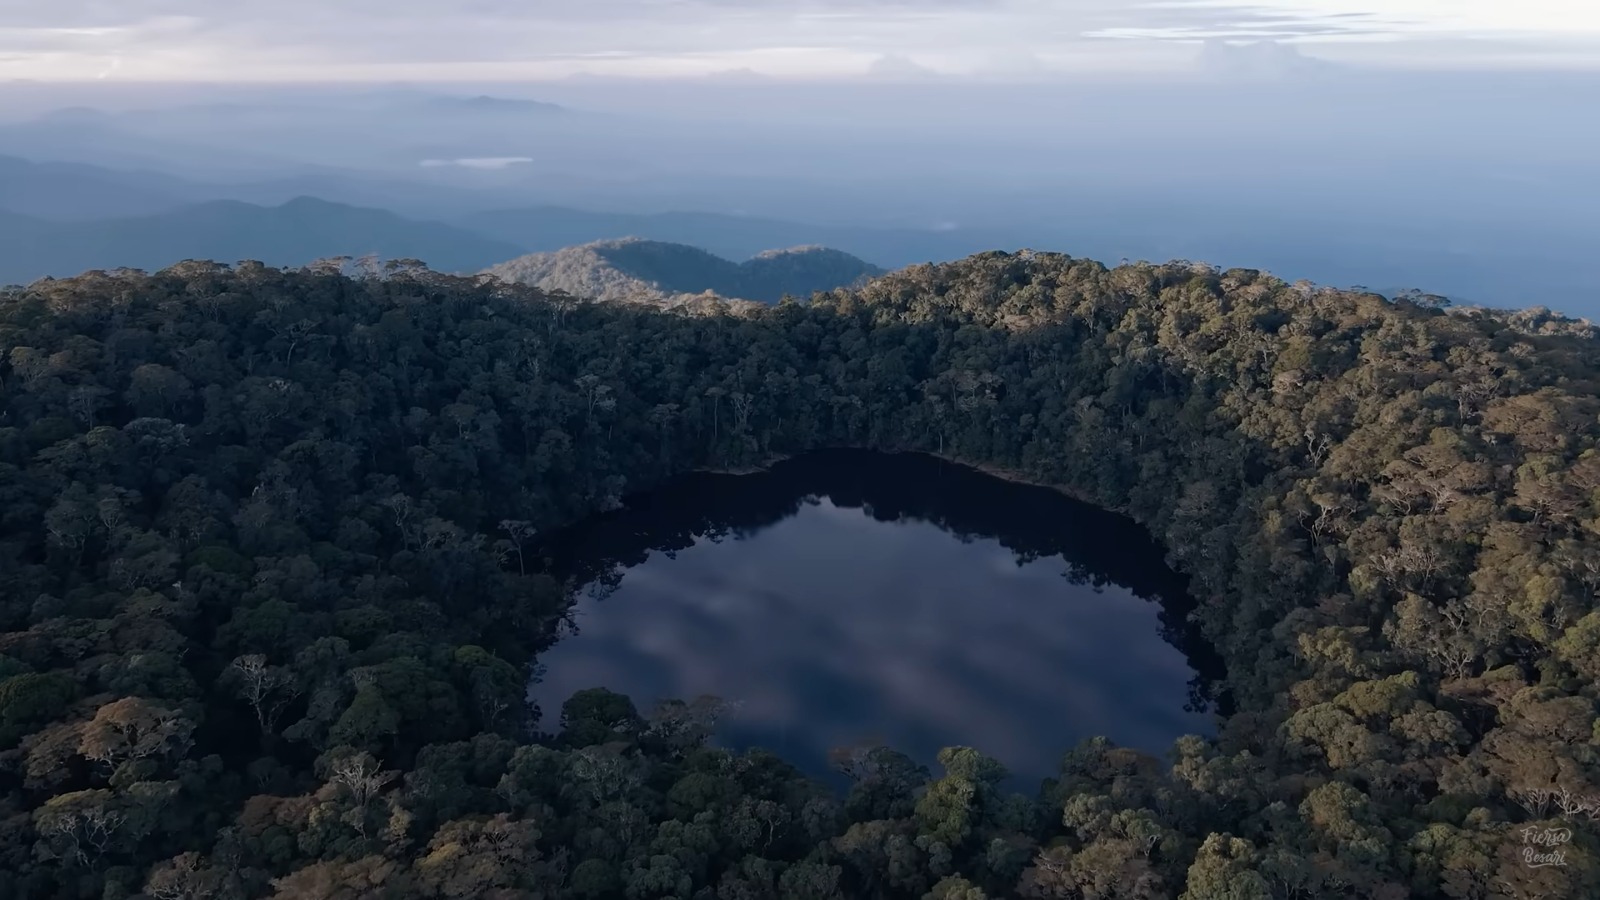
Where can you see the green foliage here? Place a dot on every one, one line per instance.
(598, 716)
(270, 584)
(29, 700)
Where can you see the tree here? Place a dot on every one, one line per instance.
(154, 389)
(597, 716)
(267, 688)
(184, 877)
(135, 729)
(82, 826)
(28, 700)
(519, 532)
(480, 858)
(1224, 870)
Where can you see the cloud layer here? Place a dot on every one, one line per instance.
(313, 39)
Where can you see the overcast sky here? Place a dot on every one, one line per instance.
(492, 39)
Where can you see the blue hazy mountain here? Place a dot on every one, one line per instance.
(227, 231)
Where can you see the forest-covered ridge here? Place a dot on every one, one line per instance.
(634, 269)
(266, 605)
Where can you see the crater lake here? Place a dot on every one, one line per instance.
(845, 598)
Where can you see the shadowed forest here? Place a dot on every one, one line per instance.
(267, 610)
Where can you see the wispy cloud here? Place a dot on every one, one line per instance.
(1367, 19)
(367, 38)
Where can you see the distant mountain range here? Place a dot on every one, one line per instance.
(102, 202)
(73, 191)
(62, 218)
(488, 104)
(643, 270)
(305, 229)
(228, 231)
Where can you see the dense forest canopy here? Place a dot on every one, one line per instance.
(266, 610)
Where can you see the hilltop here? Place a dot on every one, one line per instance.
(656, 271)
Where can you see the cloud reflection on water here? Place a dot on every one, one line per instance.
(832, 627)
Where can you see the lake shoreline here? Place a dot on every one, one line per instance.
(833, 587)
(1007, 475)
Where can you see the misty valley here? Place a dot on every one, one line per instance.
(845, 599)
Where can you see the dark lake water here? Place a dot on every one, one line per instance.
(846, 597)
